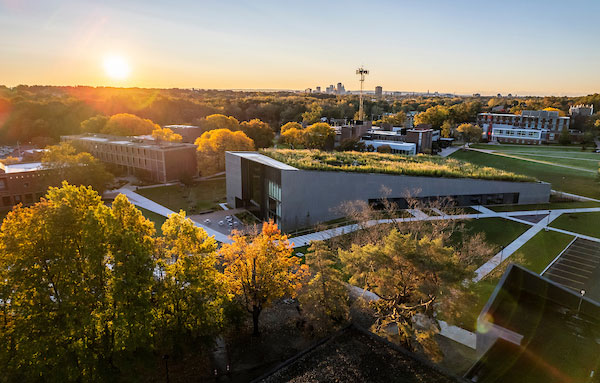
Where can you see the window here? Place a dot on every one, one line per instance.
(6, 201)
(2, 184)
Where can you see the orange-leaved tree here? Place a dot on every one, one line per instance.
(166, 135)
(213, 144)
(261, 269)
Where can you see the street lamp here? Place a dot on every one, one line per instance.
(582, 292)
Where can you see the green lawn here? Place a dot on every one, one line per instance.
(544, 206)
(157, 219)
(202, 196)
(590, 164)
(582, 223)
(567, 180)
(498, 231)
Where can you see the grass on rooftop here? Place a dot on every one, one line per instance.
(420, 165)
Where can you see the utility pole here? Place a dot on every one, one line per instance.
(362, 72)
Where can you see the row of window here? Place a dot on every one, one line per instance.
(27, 199)
(515, 132)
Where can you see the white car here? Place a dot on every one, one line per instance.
(221, 223)
(207, 221)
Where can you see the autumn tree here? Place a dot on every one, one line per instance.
(290, 125)
(166, 135)
(125, 124)
(411, 277)
(396, 119)
(447, 129)
(470, 132)
(293, 137)
(213, 144)
(76, 278)
(219, 121)
(319, 136)
(189, 290)
(260, 132)
(325, 298)
(94, 124)
(313, 115)
(63, 162)
(261, 269)
(435, 116)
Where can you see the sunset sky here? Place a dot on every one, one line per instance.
(521, 47)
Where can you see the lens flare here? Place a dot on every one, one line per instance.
(116, 67)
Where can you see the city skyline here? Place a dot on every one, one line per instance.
(465, 47)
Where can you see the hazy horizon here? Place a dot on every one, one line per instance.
(539, 48)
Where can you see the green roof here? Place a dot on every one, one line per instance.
(419, 165)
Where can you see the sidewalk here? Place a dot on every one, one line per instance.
(141, 201)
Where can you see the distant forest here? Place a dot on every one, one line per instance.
(31, 112)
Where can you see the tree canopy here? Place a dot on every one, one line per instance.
(260, 132)
(213, 144)
(166, 135)
(125, 124)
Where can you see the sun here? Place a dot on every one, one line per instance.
(116, 67)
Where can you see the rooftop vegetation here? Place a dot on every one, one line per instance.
(421, 165)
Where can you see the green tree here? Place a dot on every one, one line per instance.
(94, 124)
(125, 124)
(260, 132)
(565, 137)
(470, 132)
(325, 298)
(64, 163)
(395, 119)
(435, 116)
(319, 136)
(261, 270)
(76, 279)
(213, 144)
(312, 115)
(293, 137)
(189, 292)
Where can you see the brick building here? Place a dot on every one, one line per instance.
(530, 127)
(147, 159)
(189, 133)
(21, 183)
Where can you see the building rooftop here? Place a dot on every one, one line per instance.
(549, 333)
(21, 167)
(257, 157)
(181, 126)
(354, 355)
(136, 141)
(360, 162)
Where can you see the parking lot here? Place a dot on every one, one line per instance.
(223, 221)
(578, 268)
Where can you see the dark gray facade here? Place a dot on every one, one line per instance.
(297, 198)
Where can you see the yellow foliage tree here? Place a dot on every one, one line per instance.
(220, 121)
(293, 137)
(166, 134)
(125, 124)
(261, 270)
(319, 136)
(213, 144)
(290, 125)
(259, 131)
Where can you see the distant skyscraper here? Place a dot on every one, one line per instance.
(330, 89)
(340, 88)
(318, 89)
(378, 91)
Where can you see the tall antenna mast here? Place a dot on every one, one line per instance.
(362, 72)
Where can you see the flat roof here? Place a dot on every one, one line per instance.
(407, 145)
(136, 141)
(260, 158)
(182, 126)
(21, 167)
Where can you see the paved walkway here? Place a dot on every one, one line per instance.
(506, 252)
(449, 151)
(141, 201)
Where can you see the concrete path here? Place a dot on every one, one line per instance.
(141, 201)
(417, 213)
(449, 151)
(305, 239)
(574, 196)
(497, 259)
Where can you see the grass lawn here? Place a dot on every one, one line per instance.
(567, 180)
(545, 206)
(202, 196)
(157, 219)
(562, 159)
(498, 231)
(582, 223)
(535, 255)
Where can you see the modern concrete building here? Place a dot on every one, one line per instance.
(147, 159)
(530, 127)
(581, 110)
(296, 198)
(21, 183)
(378, 91)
